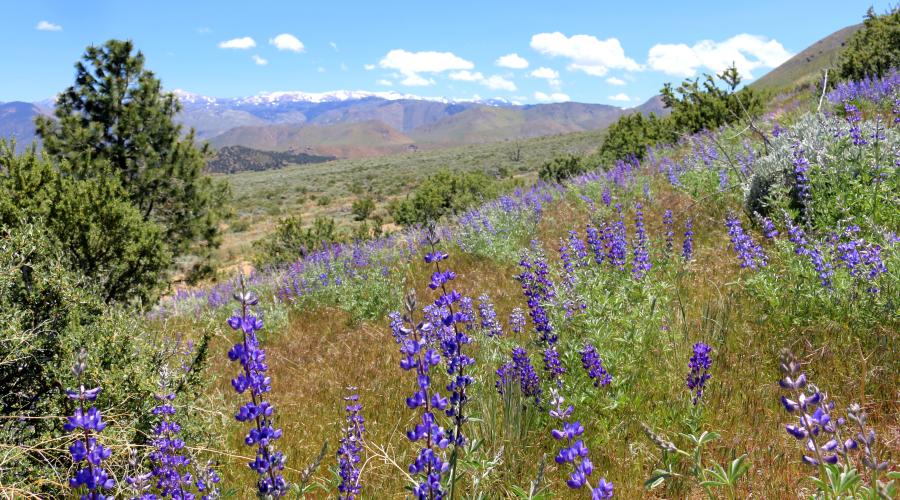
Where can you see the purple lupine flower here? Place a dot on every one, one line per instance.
(777, 130)
(517, 320)
(687, 248)
(578, 248)
(853, 117)
(606, 197)
(670, 231)
(452, 344)
(520, 370)
(595, 241)
(640, 265)
(350, 448)
(812, 417)
(801, 174)
(252, 379)
(748, 251)
(206, 479)
(538, 289)
(553, 365)
(489, 322)
(802, 247)
(593, 365)
(617, 243)
(90, 480)
(723, 179)
(169, 463)
(418, 355)
(699, 365)
(575, 452)
(769, 229)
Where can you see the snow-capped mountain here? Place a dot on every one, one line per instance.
(296, 96)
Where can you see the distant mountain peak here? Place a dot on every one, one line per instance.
(275, 98)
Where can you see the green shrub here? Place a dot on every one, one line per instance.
(90, 220)
(875, 49)
(441, 194)
(562, 168)
(291, 240)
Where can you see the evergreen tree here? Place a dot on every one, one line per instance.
(90, 221)
(117, 114)
(875, 49)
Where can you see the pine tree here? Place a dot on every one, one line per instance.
(874, 50)
(117, 113)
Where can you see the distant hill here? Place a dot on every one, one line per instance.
(232, 159)
(355, 124)
(808, 64)
(17, 122)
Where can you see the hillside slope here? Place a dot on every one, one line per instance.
(807, 65)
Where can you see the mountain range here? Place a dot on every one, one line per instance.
(348, 124)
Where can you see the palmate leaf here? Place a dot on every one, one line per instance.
(722, 477)
(657, 478)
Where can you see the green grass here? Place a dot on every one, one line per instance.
(262, 197)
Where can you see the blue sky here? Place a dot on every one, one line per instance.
(614, 52)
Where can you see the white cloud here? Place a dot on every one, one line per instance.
(334, 46)
(259, 60)
(620, 97)
(747, 52)
(416, 80)
(410, 64)
(238, 43)
(321, 69)
(287, 41)
(549, 74)
(466, 76)
(204, 30)
(586, 53)
(615, 81)
(512, 61)
(497, 82)
(47, 26)
(386, 83)
(554, 97)
(369, 67)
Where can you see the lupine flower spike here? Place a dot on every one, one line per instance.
(351, 446)
(253, 380)
(575, 452)
(699, 365)
(90, 480)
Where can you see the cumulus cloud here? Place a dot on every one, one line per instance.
(549, 74)
(238, 43)
(615, 81)
(466, 76)
(554, 97)
(620, 97)
(287, 41)
(747, 52)
(259, 60)
(386, 83)
(411, 64)
(586, 53)
(333, 46)
(369, 67)
(47, 26)
(497, 82)
(512, 61)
